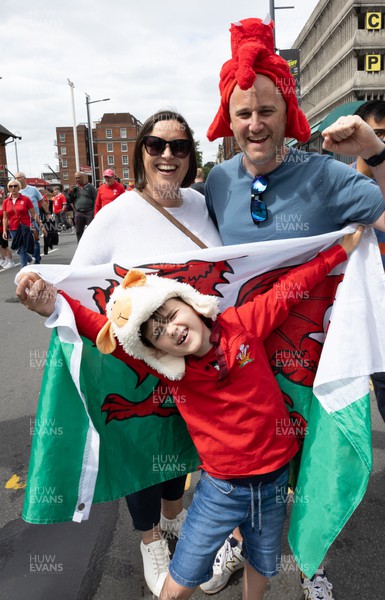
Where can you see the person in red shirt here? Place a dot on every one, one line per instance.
(171, 330)
(6, 255)
(59, 206)
(108, 191)
(18, 209)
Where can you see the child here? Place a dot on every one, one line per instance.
(227, 395)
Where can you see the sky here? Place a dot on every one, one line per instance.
(143, 55)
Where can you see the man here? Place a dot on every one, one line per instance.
(38, 202)
(199, 182)
(83, 199)
(108, 191)
(59, 205)
(271, 192)
(373, 113)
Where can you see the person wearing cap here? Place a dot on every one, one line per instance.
(269, 191)
(176, 333)
(108, 191)
(82, 198)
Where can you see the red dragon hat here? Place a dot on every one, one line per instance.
(252, 49)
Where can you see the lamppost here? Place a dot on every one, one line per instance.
(273, 8)
(90, 137)
(70, 83)
(15, 137)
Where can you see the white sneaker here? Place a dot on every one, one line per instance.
(173, 526)
(9, 264)
(229, 559)
(156, 558)
(317, 588)
(3, 262)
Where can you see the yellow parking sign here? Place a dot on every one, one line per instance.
(373, 62)
(373, 20)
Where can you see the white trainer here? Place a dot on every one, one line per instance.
(9, 264)
(173, 526)
(317, 588)
(156, 558)
(229, 559)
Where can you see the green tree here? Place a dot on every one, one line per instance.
(207, 168)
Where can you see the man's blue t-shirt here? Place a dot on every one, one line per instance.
(34, 194)
(307, 194)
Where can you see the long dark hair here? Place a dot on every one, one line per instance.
(148, 126)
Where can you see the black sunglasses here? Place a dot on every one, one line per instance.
(155, 146)
(12, 186)
(258, 207)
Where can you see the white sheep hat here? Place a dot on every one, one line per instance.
(140, 295)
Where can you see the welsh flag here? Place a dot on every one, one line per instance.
(102, 431)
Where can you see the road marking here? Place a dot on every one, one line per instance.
(32, 264)
(14, 483)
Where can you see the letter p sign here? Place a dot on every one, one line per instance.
(372, 62)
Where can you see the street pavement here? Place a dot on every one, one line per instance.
(100, 559)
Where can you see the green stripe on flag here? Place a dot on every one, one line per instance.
(335, 467)
(135, 452)
(59, 436)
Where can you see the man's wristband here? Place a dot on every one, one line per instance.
(376, 160)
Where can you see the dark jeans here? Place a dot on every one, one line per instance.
(36, 250)
(61, 219)
(144, 506)
(379, 389)
(81, 220)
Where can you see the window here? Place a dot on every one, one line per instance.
(124, 160)
(110, 160)
(65, 175)
(124, 147)
(64, 163)
(123, 132)
(62, 137)
(63, 150)
(126, 174)
(110, 147)
(109, 134)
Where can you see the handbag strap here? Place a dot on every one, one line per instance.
(173, 220)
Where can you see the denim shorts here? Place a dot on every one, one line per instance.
(216, 509)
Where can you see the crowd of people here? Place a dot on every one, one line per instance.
(242, 201)
(54, 210)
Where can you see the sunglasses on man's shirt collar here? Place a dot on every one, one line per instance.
(258, 208)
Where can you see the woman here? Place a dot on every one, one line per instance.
(18, 209)
(132, 228)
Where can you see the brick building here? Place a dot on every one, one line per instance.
(114, 140)
(66, 152)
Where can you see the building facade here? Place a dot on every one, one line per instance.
(342, 58)
(66, 152)
(6, 137)
(114, 140)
